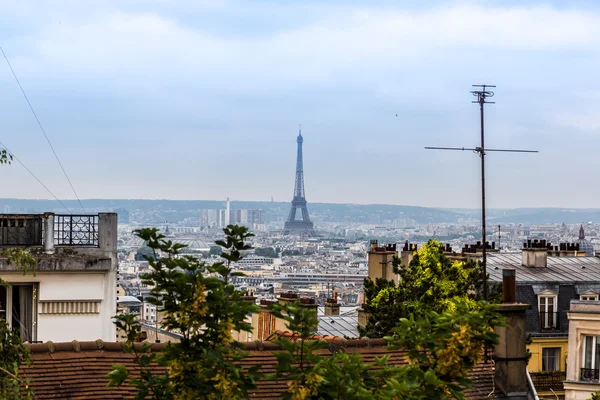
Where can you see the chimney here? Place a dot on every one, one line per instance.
(332, 307)
(510, 374)
(535, 253)
(408, 252)
(263, 322)
(380, 259)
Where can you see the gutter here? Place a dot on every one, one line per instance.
(530, 382)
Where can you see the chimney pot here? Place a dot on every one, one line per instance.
(509, 286)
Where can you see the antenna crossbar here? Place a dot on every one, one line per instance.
(478, 149)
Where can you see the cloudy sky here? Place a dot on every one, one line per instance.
(201, 99)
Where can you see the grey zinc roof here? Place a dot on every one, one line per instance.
(336, 325)
(559, 269)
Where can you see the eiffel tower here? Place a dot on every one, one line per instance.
(303, 226)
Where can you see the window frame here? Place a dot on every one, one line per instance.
(589, 296)
(7, 304)
(595, 355)
(550, 318)
(556, 356)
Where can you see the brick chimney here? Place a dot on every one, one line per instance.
(535, 253)
(510, 373)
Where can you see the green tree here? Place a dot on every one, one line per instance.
(215, 251)
(441, 349)
(198, 301)
(266, 252)
(5, 157)
(430, 282)
(595, 395)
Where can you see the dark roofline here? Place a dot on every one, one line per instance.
(77, 346)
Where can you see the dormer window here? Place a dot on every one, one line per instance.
(548, 304)
(589, 296)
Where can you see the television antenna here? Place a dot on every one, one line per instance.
(482, 93)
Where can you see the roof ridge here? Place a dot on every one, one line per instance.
(82, 346)
(99, 345)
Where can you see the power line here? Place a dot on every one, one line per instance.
(42, 128)
(32, 174)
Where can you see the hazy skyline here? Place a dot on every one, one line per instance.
(202, 100)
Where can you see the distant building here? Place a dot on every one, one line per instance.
(585, 245)
(253, 217)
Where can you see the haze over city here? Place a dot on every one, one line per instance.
(202, 100)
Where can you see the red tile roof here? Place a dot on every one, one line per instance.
(77, 370)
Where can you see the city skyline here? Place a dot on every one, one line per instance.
(211, 95)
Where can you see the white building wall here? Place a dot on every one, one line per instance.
(69, 287)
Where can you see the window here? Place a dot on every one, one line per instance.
(550, 359)
(589, 296)
(547, 307)
(17, 308)
(591, 358)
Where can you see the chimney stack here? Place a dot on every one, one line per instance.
(535, 253)
(510, 373)
(332, 307)
(408, 252)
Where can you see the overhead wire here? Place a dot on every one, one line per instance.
(42, 128)
(32, 174)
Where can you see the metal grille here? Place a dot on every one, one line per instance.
(549, 321)
(589, 375)
(549, 380)
(21, 230)
(76, 230)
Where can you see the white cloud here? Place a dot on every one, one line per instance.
(139, 46)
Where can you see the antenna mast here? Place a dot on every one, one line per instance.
(482, 93)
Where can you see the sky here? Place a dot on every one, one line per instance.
(202, 99)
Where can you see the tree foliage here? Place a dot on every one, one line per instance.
(199, 302)
(5, 157)
(430, 282)
(13, 352)
(266, 252)
(441, 349)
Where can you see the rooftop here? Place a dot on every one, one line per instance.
(558, 269)
(77, 369)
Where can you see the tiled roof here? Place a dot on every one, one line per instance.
(77, 370)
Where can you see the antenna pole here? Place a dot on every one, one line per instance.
(481, 100)
(499, 248)
(481, 95)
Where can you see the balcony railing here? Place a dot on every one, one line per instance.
(76, 230)
(544, 381)
(21, 230)
(549, 321)
(589, 375)
(49, 230)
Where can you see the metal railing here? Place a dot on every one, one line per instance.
(21, 230)
(548, 380)
(549, 321)
(589, 375)
(75, 230)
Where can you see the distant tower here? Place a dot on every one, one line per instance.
(303, 226)
(227, 213)
(581, 232)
